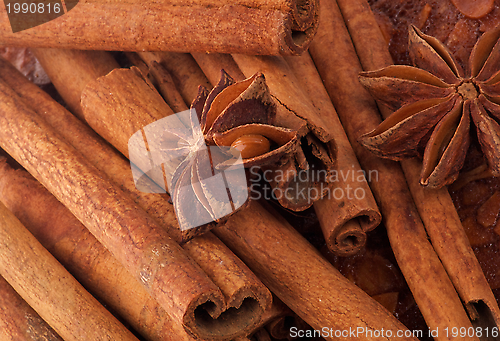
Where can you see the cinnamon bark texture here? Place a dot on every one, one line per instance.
(300, 277)
(77, 249)
(278, 27)
(47, 287)
(436, 208)
(350, 210)
(186, 75)
(58, 64)
(18, 321)
(212, 63)
(240, 287)
(162, 80)
(335, 58)
(131, 235)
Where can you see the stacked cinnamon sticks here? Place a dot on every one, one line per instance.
(77, 228)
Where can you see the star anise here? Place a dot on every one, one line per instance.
(243, 115)
(434, 102)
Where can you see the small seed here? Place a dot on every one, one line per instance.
(251, 145)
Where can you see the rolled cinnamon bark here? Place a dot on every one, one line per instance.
(335, 58)
(304, 280)
(303, 290)
(47, 287)
(435, 207)
(18, 321)
(77, 249)
(212, 63)
(128, 232)
(165, 85)
(58, 64)
(240, 287)
(344, 221)
(279, 27)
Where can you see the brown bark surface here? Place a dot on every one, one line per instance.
(49, 288)
(301, 278)
(18, 321)
(240, 287)
(344, 221)
(253, 27)
(57, 63)
(335, 58)
(186, 75)
(88, 260)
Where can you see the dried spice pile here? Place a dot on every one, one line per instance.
(104, 237)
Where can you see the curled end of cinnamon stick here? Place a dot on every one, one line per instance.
(344, 230)
(206, 321)
(349, 239)
(300, 27)
(245, 297)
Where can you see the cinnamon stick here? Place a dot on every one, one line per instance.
(343, 235)
(47, 287)
(185, 73)
(57, 63)
(77, 249)
(344, 221)
(18, 321)
(255, 27)
(212, 63)
(166, 85)
(131, 235)
(435, 207)
(335, 58)
(241, 289)
(301, 278)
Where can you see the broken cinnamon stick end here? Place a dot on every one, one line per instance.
(482, 315)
